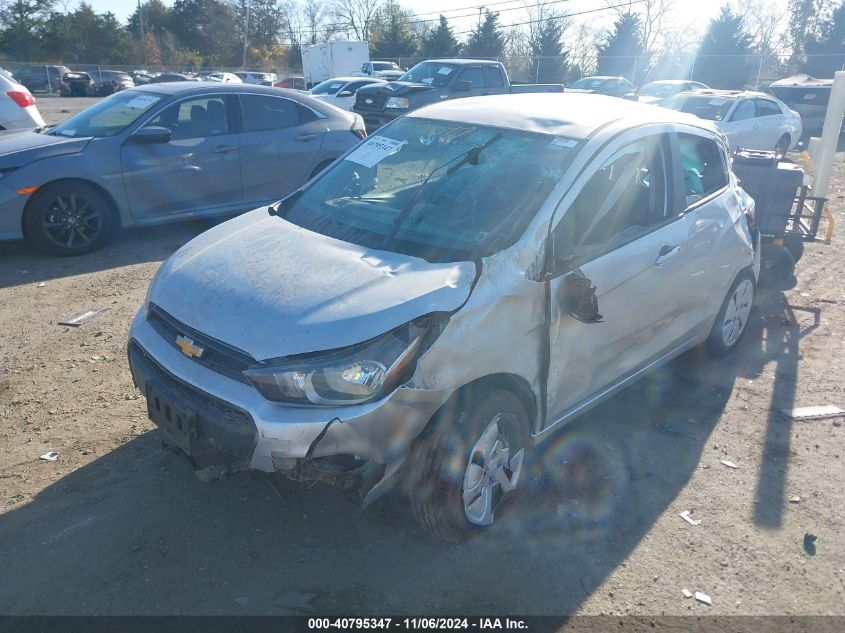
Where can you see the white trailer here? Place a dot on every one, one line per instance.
(333, 59)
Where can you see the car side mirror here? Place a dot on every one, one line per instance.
(152, 134)
(345, 93)
(579, 298)
(462, 85)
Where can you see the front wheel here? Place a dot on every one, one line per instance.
(468, 465)
(69, 218)
(733, 316)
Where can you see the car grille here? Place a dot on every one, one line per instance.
(216, 356)
(378, 101)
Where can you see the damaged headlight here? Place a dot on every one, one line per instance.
(351, 375)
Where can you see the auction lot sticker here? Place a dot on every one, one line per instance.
(375, 150)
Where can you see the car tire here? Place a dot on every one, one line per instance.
(732, 321)
(69, 218)
(795, 245)
(476, 446)
(782, 146)
(777, 265)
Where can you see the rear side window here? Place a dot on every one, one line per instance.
(261, 113)
(474, 76)
(493, 77)
(767, 108)
(704, 168)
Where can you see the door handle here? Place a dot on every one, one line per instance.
(665, 254)
(306, 137)
(224, 149)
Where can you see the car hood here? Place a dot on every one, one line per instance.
(272, 289)
(394, 88)
(649, 99)
(19, 148)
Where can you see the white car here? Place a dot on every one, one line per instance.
(382, 70)
(655, 92)
(340, 92)
(751, 120)
(17, 105)
(447, 296)
(223, 78)
(257, 79)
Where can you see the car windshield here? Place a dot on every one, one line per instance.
(329, 87)
(385, 66)
(108, 117)
(709, 107)
(443, 191)
(658, 90)
(588, 83)
(432, 73)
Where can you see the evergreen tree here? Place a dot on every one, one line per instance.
(392, 37)
(550, 60)
(486, 39)
(85, 36)
(725, 36)
(830, 47)
(153, 15)
(23, 23)
(623, 52)
(440, 42)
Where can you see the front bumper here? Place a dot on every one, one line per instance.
(242, 425)
(11, 213)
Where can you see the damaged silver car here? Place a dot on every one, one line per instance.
(448, 295)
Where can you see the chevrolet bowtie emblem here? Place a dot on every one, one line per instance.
(369, 101)
(188, 347)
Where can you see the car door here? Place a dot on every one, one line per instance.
(622, 241)
(280, 142)
(198, 170)
(475, 77)
(741, 126)
(771, 123)
(494, 81)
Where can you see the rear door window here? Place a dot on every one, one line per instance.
(261, 112)
(704, 167)
(474, 76)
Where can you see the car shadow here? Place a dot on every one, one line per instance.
(136, 532)
(21, 263)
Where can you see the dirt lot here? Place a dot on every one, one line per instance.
(118, 525)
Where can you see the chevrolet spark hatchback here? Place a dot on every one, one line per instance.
(447, 296)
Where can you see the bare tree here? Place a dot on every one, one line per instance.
(358, 16)
(763, 20)
(653, 16)
(583, 41)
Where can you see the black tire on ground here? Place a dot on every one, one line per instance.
(782, 146)
(776, 265)
(69, 218)
(716, 343)
(795, 245)
(441, 457)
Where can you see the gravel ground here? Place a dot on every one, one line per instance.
(120, 525)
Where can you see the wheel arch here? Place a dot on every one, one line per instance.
(100, 189)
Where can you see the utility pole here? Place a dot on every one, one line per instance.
(246, 34)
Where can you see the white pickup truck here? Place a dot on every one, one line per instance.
(381, 70)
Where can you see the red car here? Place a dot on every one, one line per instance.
(297, 82)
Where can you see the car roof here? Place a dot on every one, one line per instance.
(602, 77)
(348, 79)
(187, 87)
(726, 94)
(574, 115)
(463, 62)
(672, 82)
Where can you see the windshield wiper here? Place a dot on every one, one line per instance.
(470, 156)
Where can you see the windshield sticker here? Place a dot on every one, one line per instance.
(375, 150)
(717, 102)
(141, 102)
(444, 71)
(559, 141)
(428, 80)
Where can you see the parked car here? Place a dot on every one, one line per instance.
(340, 92)
(295, 82)
(172, 77)
(449, 295)
(46, 78)
(390, 71)
(655, 92)
(437, 80)
(77, 84)
(110, 81)
(160, 153)
(222, 78)
(613, 86)
(141, 77)
(257, 79)
(17, 105)
(751, 120)
(807, 96)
